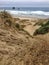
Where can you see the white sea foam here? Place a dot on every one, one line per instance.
(29, 12)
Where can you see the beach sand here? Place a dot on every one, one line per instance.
(18, 45)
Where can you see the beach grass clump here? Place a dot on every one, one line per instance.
(43, 29)
(5, 14)
(24, 20)
(16, 19)
(17, 25)
(8, 22)
(7, 19)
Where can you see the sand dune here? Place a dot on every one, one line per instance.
(18, 46)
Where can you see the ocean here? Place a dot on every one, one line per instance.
(28, 11)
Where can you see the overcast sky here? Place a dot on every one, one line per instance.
(26, 0)
(25, 3)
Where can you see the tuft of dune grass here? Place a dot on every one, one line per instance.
(43, 29)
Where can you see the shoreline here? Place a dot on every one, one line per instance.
(28, 16)
(23, 14)
(37, 14)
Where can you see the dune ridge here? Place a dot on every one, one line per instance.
(18, 45)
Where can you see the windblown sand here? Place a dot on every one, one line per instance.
(20, 47)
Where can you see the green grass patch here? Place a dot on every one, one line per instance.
(43, 29)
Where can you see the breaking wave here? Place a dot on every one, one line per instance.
(28, 12)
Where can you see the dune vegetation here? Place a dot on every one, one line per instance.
(18, 45)
(43, 29)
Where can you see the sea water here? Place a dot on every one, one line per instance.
(28, 11)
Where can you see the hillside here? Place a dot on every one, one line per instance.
(18, 45)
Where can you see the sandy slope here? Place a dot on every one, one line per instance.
(17, 47)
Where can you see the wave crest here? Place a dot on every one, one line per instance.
(29, 12)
